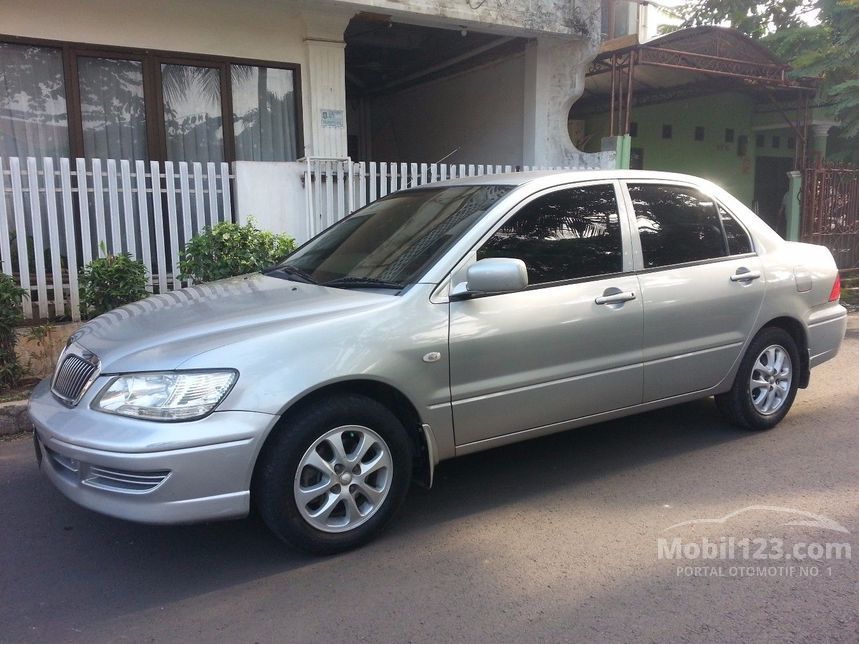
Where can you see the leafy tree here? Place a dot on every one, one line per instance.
(755, 18)
(828, 50)
(816, 37)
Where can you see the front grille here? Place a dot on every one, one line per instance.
(72, 378)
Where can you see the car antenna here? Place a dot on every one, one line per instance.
(454, 151)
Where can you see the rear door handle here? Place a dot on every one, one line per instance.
(615, 298)
(745, 276)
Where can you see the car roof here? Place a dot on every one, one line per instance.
(550, 177)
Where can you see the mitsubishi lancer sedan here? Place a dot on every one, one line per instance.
(436, 322)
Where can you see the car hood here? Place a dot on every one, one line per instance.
(164, 331)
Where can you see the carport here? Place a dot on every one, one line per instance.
(431, 94)
(693, 62)
(707, 101)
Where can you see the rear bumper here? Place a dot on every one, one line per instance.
(825, 330)
(148, 481)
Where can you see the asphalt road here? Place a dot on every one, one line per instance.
(552, 540)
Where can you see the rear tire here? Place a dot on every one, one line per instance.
(333, 475)
(766, 382)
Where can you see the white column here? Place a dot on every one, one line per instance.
(818, 132)
(325, 81)
(555, 78)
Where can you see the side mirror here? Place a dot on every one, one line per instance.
(492, 275)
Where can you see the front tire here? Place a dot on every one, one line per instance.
(766, 382)
(334, 474)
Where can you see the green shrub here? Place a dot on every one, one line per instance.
(110, 282)
(43, 352)
(228, 249)
(11, 316)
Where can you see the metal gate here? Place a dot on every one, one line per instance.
(830, 211)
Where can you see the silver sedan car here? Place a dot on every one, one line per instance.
(433, 323)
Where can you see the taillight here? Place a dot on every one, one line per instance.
(836, 291)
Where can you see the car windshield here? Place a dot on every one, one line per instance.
(391, 242)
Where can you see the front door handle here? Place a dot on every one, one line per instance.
(745, 275)
(615, 298)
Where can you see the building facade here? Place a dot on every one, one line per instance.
(707, 101)
(279, 80)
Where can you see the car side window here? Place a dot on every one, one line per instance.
(736, 236)
(564, 235)
(676, 224)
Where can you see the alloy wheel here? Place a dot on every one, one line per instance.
(770, 380)
(343, 479)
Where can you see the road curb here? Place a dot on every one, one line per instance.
(853, 325)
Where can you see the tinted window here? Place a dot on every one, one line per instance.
(676, 224)
(739, 241)
(571, 233)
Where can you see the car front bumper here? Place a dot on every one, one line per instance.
(146, 471)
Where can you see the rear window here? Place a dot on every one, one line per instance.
(736, 237)
(676, 224)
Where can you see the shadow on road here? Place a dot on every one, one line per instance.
(568, 459)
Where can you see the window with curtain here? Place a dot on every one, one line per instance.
(113, 113)
(214, 109)
(33, 114)
(264, 113)
(192, 113)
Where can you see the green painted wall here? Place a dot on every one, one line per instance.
(712, 158)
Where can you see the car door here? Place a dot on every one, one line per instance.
(568, 346)
(702, 287)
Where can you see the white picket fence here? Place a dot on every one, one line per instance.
(57, 217)
(336, 187)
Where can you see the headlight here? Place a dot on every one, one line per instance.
(165, 396)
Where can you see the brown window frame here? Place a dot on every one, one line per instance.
(151, 60)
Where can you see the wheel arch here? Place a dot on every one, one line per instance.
(389, 396)
(797, 331)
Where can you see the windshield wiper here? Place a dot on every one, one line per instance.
(290, 272)
(355, 282)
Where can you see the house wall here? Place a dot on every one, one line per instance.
(247, 29)
(271, 193)
(479, 111)
(579, 18)
(769, 120)
(713, 158)
(537, 92)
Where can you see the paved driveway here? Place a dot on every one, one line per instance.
(556, 539)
